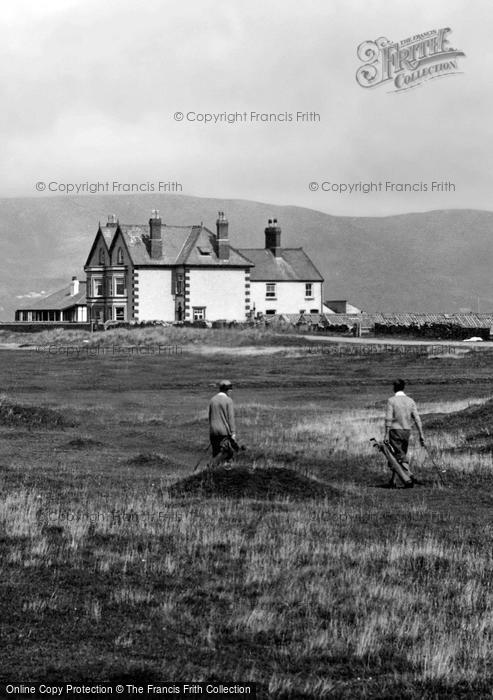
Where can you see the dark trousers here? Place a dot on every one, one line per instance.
(216, 441)
(221, 449)
(399, 441)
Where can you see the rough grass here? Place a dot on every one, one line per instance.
(146, 458)
(13, 413)
(242, 482)
(109, 573)
(318, 597)
(168, 335)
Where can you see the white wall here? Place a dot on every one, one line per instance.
(290, 297)
(154, 296)
(221, 291)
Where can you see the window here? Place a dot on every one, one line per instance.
(314, 311)
(98, 287)
(179, 284)
(309, 290)
(119, 286)
(270, 312)
(119, 313)
(204, 251)
(199, 313)
(270, 290)
(119, 257)
(101, 256)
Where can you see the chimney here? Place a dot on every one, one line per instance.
(156, 236)
(273, 237)
(222, 236)
(112, 222)
(74, 286)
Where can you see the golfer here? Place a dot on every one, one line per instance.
(222, 423)
(400, 414)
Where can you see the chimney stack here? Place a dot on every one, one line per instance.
(74, 286)
(273, 237)
(156, 235)
(222, 236)
(112, 222)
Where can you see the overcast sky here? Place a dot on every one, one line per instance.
(89, 89)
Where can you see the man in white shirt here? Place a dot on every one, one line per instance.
(400, 414)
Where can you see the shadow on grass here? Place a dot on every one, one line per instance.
(241, 482)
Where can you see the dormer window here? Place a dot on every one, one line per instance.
(101, 256)
(119, 256)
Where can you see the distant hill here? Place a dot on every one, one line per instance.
(431, 261)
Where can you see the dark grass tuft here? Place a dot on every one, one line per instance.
(148, 458)
(15, 414)
(474, 423)
(481, 417)
(81, 443)
(140, 674)
(240, 482)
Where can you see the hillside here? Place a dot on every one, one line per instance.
(431, 261)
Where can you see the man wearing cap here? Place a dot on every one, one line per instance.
(222, 422)
(400, 414)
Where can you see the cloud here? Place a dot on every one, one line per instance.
(30, 295)
(92, 88)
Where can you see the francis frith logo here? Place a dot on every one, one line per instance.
(409, 62)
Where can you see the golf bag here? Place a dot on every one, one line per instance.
(394, 465)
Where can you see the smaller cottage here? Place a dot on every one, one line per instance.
(282, 280)
(68, 305)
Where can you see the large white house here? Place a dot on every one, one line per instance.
(179, 273)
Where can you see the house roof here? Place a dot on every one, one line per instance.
(200, 249)
(57, 300)
(180, 245)
(293, 265)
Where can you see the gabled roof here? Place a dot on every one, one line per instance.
(57, 301)
(181, 245)
(293, 265)
(106, 234)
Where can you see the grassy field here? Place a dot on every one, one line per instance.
(335, 588)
